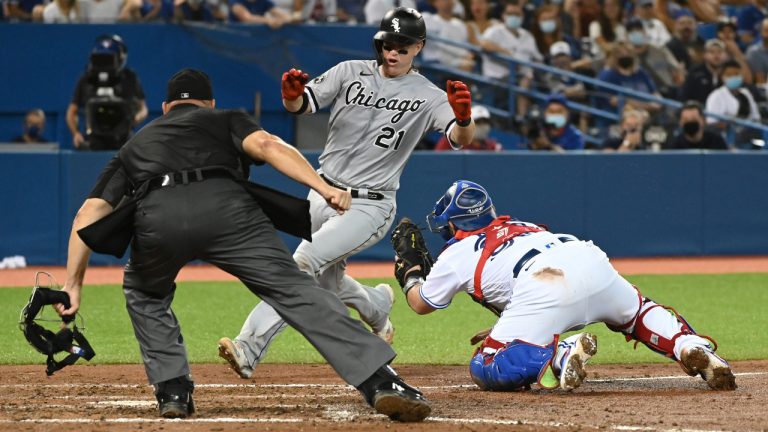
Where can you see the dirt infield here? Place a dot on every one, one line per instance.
(312, 397)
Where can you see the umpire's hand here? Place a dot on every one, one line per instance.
(338, 199)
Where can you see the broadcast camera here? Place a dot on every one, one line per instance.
(108, 116)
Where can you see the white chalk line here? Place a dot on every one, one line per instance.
(340, 416)
(344, 386)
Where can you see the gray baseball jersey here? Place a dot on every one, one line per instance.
(375, 122)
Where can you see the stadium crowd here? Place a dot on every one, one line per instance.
(710, 55)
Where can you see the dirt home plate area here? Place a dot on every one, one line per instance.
(650, 397)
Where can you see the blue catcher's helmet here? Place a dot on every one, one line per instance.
(466, 204)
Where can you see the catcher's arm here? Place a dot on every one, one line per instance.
(412, 263)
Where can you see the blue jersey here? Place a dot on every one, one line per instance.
(570, 139)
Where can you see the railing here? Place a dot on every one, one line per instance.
(621, 92)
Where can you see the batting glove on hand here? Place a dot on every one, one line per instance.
(461, 101)
(292, 85)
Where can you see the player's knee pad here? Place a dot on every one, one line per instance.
(515, 366)
(656, 326)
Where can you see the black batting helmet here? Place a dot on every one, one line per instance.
(402, 26)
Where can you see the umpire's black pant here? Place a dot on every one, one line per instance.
(217, 221)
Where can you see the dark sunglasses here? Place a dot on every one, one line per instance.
(400, 50)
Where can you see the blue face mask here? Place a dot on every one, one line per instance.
(734, 82)
(513, 21)
(637, 38)
(548, 26)
(33, 131)
(556, 120)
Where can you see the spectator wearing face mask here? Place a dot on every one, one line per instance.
(660, 64)
(482, 141)
(693, 134)
(556, 133)
(34, 126)
(624, 71)
(732, 99)
(510, 39)
(657, 32)
(547, 29)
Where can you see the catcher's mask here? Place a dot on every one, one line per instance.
(44, 340)
(466, 204)
(401, 26)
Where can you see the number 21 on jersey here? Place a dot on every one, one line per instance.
(389, 138)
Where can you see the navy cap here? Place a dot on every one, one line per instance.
(558, 98)
(189, 84)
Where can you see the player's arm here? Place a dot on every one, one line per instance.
(262, 145)
(460, 99)
(413, 295)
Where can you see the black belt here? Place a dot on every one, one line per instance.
(530, 254)
(356, 193)
(185, 177)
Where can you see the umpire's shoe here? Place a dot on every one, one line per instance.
(174, 397)
(388, 394)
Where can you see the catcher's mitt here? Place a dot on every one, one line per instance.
(411, 251)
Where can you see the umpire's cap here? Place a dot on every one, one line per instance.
(189, 84)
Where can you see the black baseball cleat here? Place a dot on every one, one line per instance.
(174, 398)
(388, 394)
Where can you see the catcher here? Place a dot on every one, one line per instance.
(540, 285)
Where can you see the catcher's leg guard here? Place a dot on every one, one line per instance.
(513, 366)
(663, 330)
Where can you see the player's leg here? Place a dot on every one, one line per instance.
(247, 350)
(262, 262)
(372, 303)
(659, 327)
(341, 236)
(333, 240)
(551, 296)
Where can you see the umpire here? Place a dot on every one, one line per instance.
(179, 191)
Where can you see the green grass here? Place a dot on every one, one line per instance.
(729, 308)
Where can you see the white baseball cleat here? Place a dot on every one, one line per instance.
(716, 372)
(233, 353)
(572, 372)
(387, 333)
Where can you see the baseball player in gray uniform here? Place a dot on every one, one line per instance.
(380, 110)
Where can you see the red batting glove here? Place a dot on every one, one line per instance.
(292, 86)
(460, 99)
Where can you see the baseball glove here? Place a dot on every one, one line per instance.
(411, 251)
